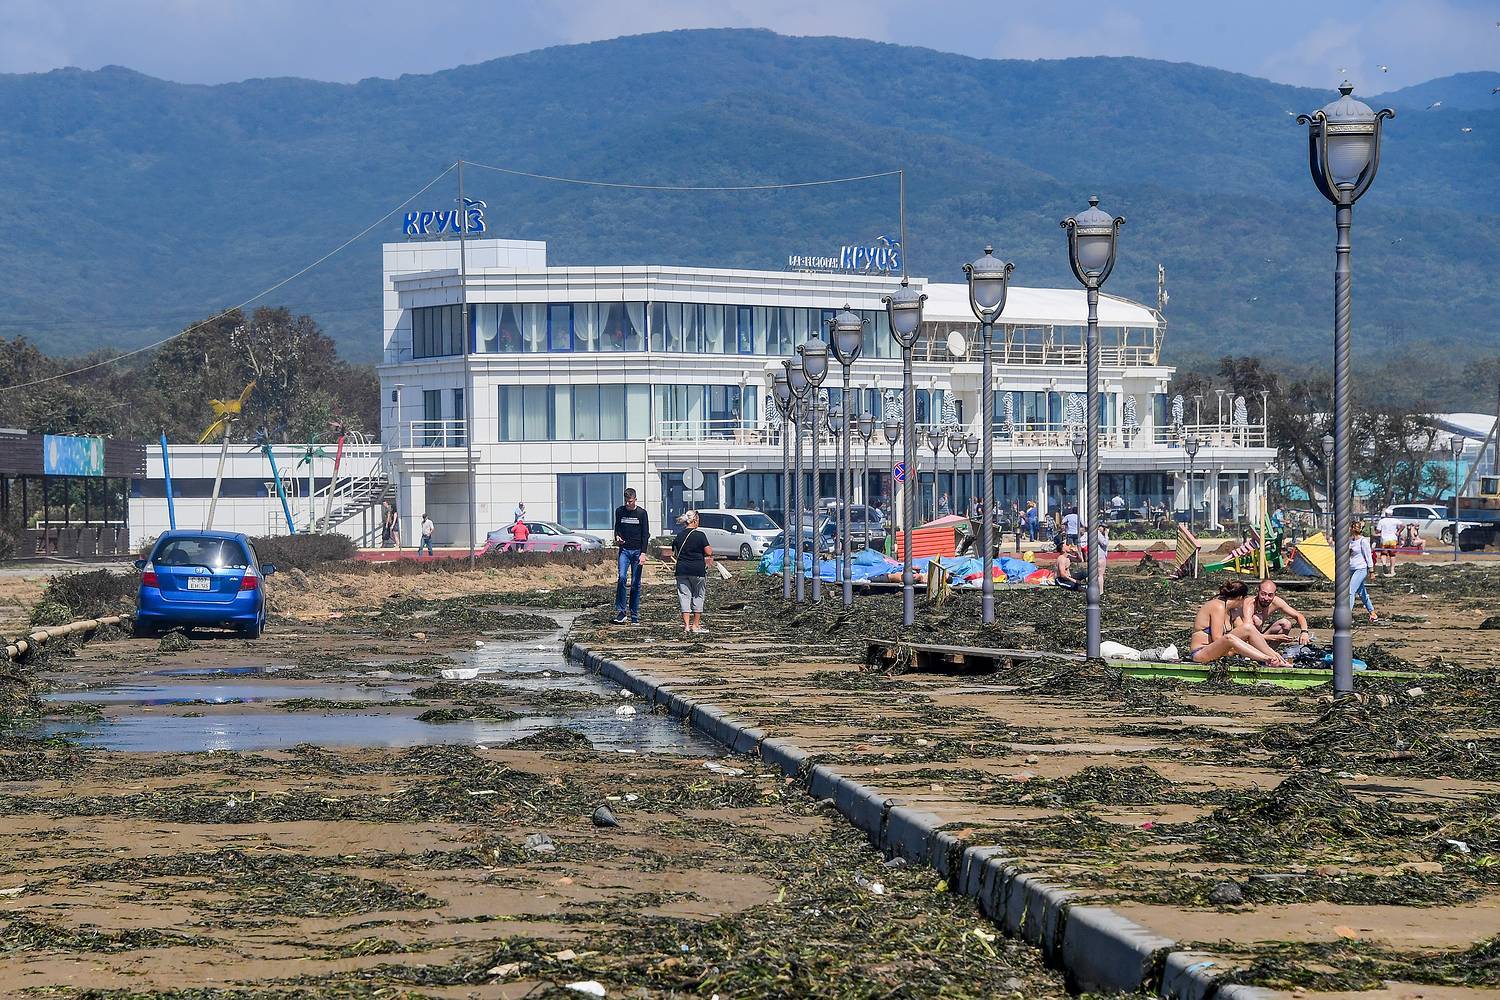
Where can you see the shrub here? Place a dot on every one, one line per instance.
(303, 551)
(89, 595)
(51, 613)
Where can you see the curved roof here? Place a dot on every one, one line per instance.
(1038, 307)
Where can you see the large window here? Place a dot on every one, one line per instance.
(437, 331)
(715, 410)
(615, 412)
(587, 500)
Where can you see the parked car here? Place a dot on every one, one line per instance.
(1432, 520)
(745, 534)
(201, 578)
(546, 536)
(866, 524)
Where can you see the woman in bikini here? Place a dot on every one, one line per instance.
(1215, 636)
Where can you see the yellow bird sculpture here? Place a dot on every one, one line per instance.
(226, 411)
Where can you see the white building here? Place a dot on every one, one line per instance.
(580, 381)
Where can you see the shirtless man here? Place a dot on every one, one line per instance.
(1215, 636)
(1258, 611)
(1068, 560)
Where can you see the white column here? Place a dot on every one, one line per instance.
(411, 496)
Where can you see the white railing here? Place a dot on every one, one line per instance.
(1213, 435)
(1055, 435)
(434, 434)
(354, 490)
(737, 432)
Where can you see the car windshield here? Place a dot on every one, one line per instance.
(758, 522)
(215, 553)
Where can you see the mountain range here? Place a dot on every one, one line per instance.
(131, 205)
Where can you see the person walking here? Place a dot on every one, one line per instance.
(1071, 527)
(395, 526)
(943, 509)
(1031, 519)
(385, 524)
(1361, 565)
(693, 556)
(632, 530)
(426, 538)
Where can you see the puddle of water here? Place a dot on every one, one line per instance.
(639, 733)
(532, 665)
(216, 671)
(178, 694)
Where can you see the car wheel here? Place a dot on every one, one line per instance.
(570, 548)
(140, 630)
(745, 552)
(253, 630)
(1446, 536)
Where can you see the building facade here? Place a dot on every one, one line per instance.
(572, 383)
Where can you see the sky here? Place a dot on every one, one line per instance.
(217, 41)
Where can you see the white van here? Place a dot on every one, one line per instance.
(737, 534)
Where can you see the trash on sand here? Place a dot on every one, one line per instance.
(14, 891)
(1226, 894)
(508, 969)
(624, 692)
(477, 792)
(419, 635)
(877, 888)
(603, 817)
(717, 768)
(566, 955)
(631, 796)
(589, 986)
(624, 710)
(478, 643)
(459, 673)
(1415, 692)
(540, 843)
(896, 863)
(1460, 846)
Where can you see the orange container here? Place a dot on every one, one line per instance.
(935, 539)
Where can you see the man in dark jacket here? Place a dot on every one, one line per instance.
(632, 529)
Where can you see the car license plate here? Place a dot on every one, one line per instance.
(199, 583)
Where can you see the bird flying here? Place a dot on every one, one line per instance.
(1434, 104)
(1383, 68)
(1466, 130)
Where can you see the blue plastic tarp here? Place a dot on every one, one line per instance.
(866, 564)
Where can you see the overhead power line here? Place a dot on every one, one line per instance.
(257, 296)
(682, 187)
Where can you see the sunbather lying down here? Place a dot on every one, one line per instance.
(1220, 629)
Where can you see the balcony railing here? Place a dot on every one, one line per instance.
(434, 434)
(1213, 435)
(737, 432)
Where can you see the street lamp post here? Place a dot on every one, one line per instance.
(955, 442)
(836, 428)
(846, 332)
(976, 489)
(904, 307)
(891, 428)
(814, 356)
(1457, 444)
(1092, 239)
(1080, 447)
(866, 432)
(1190, 445)
(782, 394)
(1328, 487)
(1343, 154)
(797, 382)
(989, 279)
(935, 442)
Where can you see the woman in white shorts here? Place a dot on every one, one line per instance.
(694, 557)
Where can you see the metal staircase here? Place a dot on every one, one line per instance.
(351, 496)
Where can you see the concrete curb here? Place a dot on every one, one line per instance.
(1097, 948)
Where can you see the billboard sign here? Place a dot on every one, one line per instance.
(65, 455)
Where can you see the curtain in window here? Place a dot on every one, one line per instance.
(713, 329)
(486, 327)
(586, 413)
(637, 412)
(586, 326)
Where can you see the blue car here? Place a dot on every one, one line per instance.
(202, 578)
